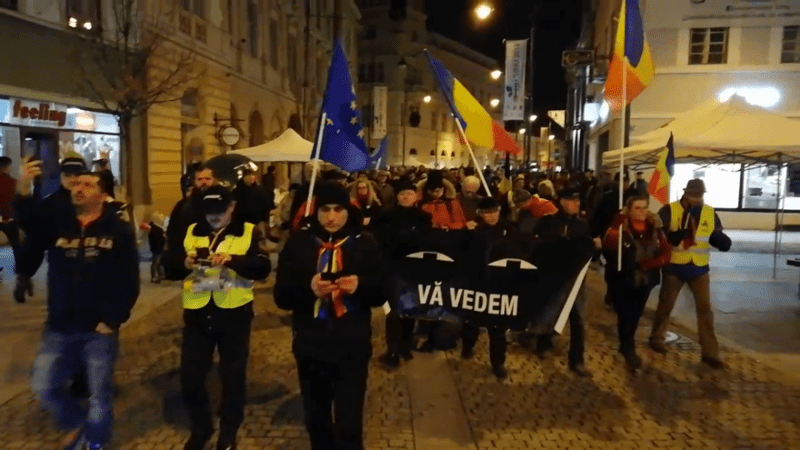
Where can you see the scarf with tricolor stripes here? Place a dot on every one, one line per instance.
(329, 259)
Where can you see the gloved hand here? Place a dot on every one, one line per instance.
(676, 237)
(22, 287)
(720, 240)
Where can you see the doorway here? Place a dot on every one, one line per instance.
(43, 146)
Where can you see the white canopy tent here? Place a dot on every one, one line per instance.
(288, 147)
(733, 132)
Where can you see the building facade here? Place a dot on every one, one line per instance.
(709, 50)
(420, 127)
(261, 68)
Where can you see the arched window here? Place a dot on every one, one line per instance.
(189, 106)
(453, 154)
(413, 151)
(444, 153)
(433, 152)
(256, 129)
(296, 124)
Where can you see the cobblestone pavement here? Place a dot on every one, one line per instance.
(672, 403)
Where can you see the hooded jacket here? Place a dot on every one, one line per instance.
(446, 211)
(93, 270)
(346, 337)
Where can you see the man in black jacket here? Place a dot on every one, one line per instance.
(330, 275)
(567, 244)
(399, 231)
(94, 282)
(493, 236)
(186, 212)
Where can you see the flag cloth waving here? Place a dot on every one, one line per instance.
(478, 125)
(632, 56)
(659, 182)
(343, 139)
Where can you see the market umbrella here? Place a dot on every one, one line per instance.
(228, 168)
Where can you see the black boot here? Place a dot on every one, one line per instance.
(406, 355)
(632, 359)
(467, 352)
(390, 360)
(500, 372)
(197, 441)
(226, 442)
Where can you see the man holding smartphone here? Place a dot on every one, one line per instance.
(219, 316)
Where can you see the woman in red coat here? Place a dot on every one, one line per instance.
(644, 252)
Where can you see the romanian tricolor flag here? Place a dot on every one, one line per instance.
(659, 182)
(478, 125)
(632, 62)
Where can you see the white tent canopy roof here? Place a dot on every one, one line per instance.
(730, 132)
(289, 146)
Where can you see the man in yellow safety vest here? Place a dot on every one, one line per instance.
(218, 312)
(692, 228)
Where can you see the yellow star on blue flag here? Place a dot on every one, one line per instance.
(342, 140)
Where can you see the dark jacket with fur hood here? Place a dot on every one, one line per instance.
(643, 252)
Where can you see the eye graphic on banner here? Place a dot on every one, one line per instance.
(522, 264)
(430, 256)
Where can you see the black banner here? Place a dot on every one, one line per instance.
(463, 276)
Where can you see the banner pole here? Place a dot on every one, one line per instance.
(315, 161)
(472, 155)
(623, 130)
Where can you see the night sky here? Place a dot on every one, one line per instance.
(558, 28)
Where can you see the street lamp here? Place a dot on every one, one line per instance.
(533, 118)
(494, 102)
(483, 11)
(426, 99)
(496, 74)
(522, 131)
(552, 137)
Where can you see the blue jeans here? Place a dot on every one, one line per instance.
(63, 355)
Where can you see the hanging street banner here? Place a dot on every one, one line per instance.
(514, 103)
(379, 100)
(459, 276)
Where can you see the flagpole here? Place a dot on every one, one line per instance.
(315, 161)
(623, 130)
(472, 155)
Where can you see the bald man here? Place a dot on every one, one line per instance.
(469, 199)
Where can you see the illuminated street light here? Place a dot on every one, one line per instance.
(73, 22)
(483, 11)
(426, 99)
(533, 117)
(522, 131)
(494, 102)
(552, 137)
(496, 74)
(87, 25)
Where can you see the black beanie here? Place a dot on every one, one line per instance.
(330, 193)
(435, 180)
(406, 185)
(488, 203)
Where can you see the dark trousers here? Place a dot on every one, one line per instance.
(11, 230)
(333, 401)
(629, 304)
(205, 330)
(399, 333)
(156, 267)
(497, 343)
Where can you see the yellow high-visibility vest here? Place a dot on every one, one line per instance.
(232, 245)
(698, 253)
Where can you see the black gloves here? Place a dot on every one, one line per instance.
(676, 237)
(23, 286)
(720, 240)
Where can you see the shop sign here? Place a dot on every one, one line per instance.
(38, 114)
(229, 135)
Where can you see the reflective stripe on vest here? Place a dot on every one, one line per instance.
(698, 253)
(231, 245)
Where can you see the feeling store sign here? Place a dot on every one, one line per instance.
(30, 113)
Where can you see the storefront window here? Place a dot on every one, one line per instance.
(92, 147)
(721, 180)
(760, 187)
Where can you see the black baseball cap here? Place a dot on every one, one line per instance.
(73, 165)
(216, 200)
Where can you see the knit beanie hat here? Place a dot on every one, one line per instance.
(330, 193)
(435, 180)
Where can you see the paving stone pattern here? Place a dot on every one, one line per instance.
(673, 402)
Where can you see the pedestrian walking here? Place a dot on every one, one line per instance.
(692, 228)
(644, 252)
(493, 235)
(157, 238)
(218, 313)
(84, 311)
(572, 233)
(399, 231)
(8, 186)
(329, 276)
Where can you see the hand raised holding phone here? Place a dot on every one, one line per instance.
(30, 169)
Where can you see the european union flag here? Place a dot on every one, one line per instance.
(378, 158)
(343, 139)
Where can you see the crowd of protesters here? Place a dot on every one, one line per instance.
(335, 252)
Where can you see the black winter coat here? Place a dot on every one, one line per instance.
(564, 242)
(400, 230)
(348, 337)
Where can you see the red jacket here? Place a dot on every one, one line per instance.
(8, 186)
(662, 257)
